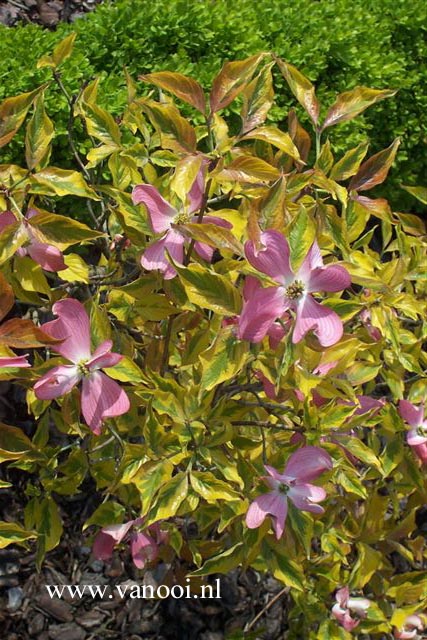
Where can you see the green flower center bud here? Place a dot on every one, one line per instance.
(295, 290)
(83, 368)
(182, 218)
(422, 431)
(283, 488)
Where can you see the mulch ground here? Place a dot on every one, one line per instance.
(45, 12)
(28, 612)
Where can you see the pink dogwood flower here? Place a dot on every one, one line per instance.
(165, 219)
(14, 361)
(294, 292)
(411, 626)
(101, 397)
(47, 256)
(345, 606)
(144, 545)
(417, 436)
(304, 465)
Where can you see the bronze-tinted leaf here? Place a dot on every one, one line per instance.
(231, 80)
(374, 171)
(258, 97)
(301, 87)
(23, 334)
(13, 112)
(349, 104)
(299, 135)
(7, 298)
(179, 85)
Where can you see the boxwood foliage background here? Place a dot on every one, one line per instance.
(338, 44)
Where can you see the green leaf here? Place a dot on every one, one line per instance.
(349, 104)
(222, 361)
(51, 228)
(231, 80)
(420, 193)
(223, 562)
(210, 488)
(14, 533)
(40, 132)
(43, 515)
(61, 182)
(169, 498)
(149, 478)
(368, 562)
(101, 125)
(11, 238)
(349, 163)
(361, 451)
(301, 87)
(301, 234)
(107, 513)
(210, 290)
(179, 85)
(14, 444)
(126, 371)
(288, 572)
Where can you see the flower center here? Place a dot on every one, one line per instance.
(422, 431)
(83, 368)
(295, 290)
(283, 488)
(182, 218)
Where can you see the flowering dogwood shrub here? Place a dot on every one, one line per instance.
(233, 340)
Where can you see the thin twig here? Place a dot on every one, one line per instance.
(269, 604)
(165, 356)
(199, 220)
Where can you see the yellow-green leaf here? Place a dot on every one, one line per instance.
(13, 533)
(210, 290)
(40, 132)
(61, 182)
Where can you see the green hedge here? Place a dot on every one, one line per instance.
(338, 44)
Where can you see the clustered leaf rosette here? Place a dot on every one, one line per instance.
(50, 258)
(410, 628)
(304, 465)
(417, 436)
(101, 397)
(294, 292)
(346, 605)
(165, 219)
(144, 543)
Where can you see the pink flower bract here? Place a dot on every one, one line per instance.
(304, 465)
(163, 216)
(47, 256)
(294, 292)
(101, 397)
(345, 606)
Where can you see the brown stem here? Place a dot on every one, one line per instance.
(199, 219)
